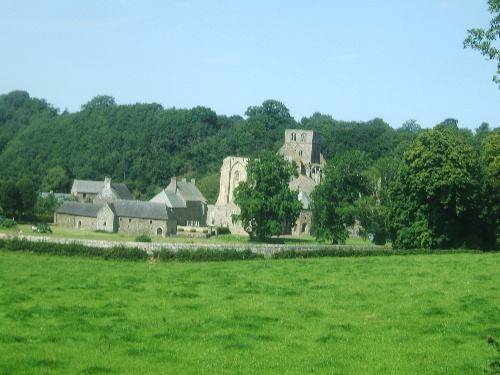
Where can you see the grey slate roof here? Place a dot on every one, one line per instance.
(169, 198)
(79, 209)
(142, 210)
(190, 192)
(94, 187)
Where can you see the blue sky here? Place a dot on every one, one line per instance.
(353, 60)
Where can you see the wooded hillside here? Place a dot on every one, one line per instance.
(144, 145)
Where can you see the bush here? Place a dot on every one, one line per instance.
(223, 230)
(143, 238)
(180, 229)
(43, 228)
(205, 255)
(74, 249)
(192, 230)
(8, 223)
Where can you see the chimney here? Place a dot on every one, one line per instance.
(107, 182)
(183, 180)
(193, 181)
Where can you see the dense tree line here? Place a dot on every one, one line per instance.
(372, 176)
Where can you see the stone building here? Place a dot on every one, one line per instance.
(89, 190)
(114, 210)
(301, 146)
(122, 216)
(186, 201)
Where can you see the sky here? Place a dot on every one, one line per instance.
(354, 60)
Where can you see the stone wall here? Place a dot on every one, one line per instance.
(266, 249)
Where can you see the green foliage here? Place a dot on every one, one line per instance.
(490, 187)
(223, 230)
(56, 179)
(43, 228)
(192, 230)
(206, 255)
(8, 223)
(482, 39)
(266, 202)
(9, 197)
(143, 238)
(345, 182)
(74, 249)
(434, 199)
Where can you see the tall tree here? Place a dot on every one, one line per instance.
(344, 183)
(490, 162)
(482, 39)
(433, 203)
(9, 197)
(266, 202)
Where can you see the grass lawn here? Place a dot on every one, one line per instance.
(378, 315)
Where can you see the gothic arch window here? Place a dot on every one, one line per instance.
(303, 137)
(293, 137)
(236, 176)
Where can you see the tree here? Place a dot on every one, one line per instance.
(482, 40)
(490, 163)
(9, 197)
(27, 195)
(99, 101)
(333, 200)
(433, 202)
(266, 202)
(56, 179)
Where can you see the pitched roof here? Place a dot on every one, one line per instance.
(142, 210)
(169, 198)
(79, 209)
(94, 187)
(190, 192)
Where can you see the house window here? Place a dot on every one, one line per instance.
(150, 221)
(129, 220)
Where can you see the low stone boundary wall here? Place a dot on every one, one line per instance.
(266, 249)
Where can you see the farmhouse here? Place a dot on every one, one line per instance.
(186, 201)
(87, 191)
(122, 216)
(301, 146)
(114, 210)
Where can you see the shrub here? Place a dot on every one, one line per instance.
(205, 255)
(125, 253)
(192, 230)
(143, 238)
(43, 228)
(180, 229)
(8, 223)
(223, 230)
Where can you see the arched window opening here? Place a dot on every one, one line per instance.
(303, 137)
(159, 232)
(293, 137)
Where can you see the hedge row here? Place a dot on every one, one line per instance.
(202, 254)
(74, 249)
(205, 255)
(345, 252)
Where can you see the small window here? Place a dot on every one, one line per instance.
(293, 137)
(150, 221)
(129, 220)
(300, 153)
(104, 224)
(303, 137)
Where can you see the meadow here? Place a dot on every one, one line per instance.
(419, 314)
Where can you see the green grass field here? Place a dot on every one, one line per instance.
(379, 315)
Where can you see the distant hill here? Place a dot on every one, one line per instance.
(144, 145)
